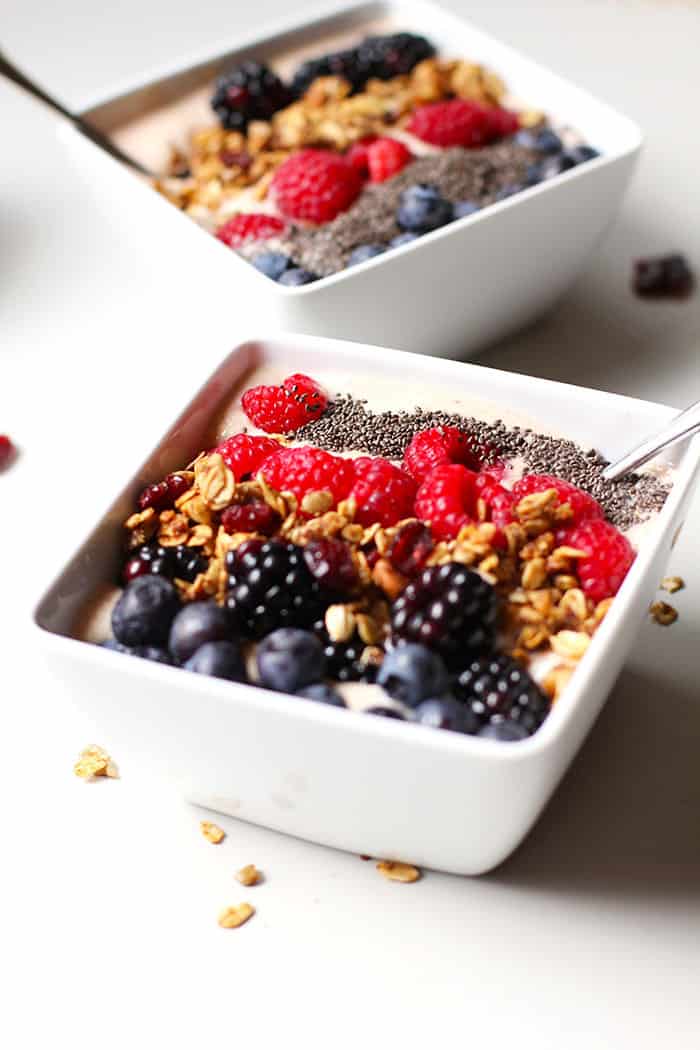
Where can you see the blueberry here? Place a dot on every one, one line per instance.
(324, 694)
(289, 658)
(145, 611)
(296, 276)
(447, 713)
(508, 731)
(195, 624)
(527, 138)
(152, 652)
(509, 191)
(385, 712)
(411, 673)
(421, 209)
(464, 208)
(219, 659)
(580, 154)
(533, 175)
(117, 647)
(272, 264)
(555, 165)
(547, 141)
(403, 238)
(363, 252)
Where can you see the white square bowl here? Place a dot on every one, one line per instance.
(452, 291)
(369, 785)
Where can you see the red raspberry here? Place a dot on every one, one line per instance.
(243, 453)
(315, 185)
(244, 227)
(503, 121)
(284, 408)
(383, 492)
(306, 469)
(582, 505)
(499, 500)
(387, 157)
(457, 122)
(358, 155)
(609, 555)
(447, 499)
(7, 451)
(255, 516)
(431, 448)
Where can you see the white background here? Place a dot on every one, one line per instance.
(589, 936)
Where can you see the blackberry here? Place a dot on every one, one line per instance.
(343, 659)
(250, 91)
(497, 689)
(182, 563)
(382, 57)
(450, 609)
(269, 586)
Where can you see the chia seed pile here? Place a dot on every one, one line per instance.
(459, 174)
(347, 425)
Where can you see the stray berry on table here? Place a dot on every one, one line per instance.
(663, 277)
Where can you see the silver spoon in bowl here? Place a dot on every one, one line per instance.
(9, 70)
(684, 425)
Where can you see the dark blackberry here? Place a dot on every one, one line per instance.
(343, 659)
(250, 91)
(269, 586)
(382, 57)
(498, 689)
(182, 563)
(450, 609)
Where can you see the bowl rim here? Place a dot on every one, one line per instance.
(316, 18)
(253, 696)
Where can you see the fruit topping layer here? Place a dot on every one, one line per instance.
(361, 151)
(443, 571)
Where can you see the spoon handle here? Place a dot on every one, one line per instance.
(681, 426)
(10, 70)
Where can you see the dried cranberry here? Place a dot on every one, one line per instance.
(251, 517)
(7, 451)
(330, 562)
(410, 548)
(135, 566)
(177, 484)
(156, 496)
(236, 158)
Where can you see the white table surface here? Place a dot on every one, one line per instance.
(590, 935)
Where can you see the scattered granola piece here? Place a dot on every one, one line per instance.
(663, 613)
(672, 584)
(212, 832)
(235, 915)
(397, 871)
(248, 875)
(95, 762)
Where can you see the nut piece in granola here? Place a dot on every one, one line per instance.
(235, 915)
(663, 613)
(397, 871)
(212, 832)
(95, 762)
(248, 875)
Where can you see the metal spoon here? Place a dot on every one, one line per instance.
(681, 426)
(11, 71)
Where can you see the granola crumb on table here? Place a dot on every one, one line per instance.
(212, 832)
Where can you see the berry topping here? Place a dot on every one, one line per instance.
(422, 209)
(386, 712)
(387, 157)
(244, 453)
(344, 660)
(221, 659)
(450, 609)
(497, 688)
(195, 624)
(252, 227)
(582, 505)
(664, 276)
(322, 693)
(543, 140)
(382, 57)
(363, 252)
(255, 516)
(609, 555)
(447, 500)
(465, 208)
(403, 238)
(289, 659)
(447, 713)
(431, 448)
(163, 493)
(7, 451)
(181, 563)
(459, 122)
(508, 732)
(411, 673)
(270, 586)
(284, 408)
(251, 91)
(305, 470)
(297, 276)
(315, 185)
(498, 499)
(144, 612)
(382, 492)
(329, 561)
(272, 264)
(410, 548)
(358, 155)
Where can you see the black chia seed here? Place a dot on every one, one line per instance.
(348, 425)
(460, 174)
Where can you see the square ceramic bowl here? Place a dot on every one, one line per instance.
(451, 292)
(369, 785)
